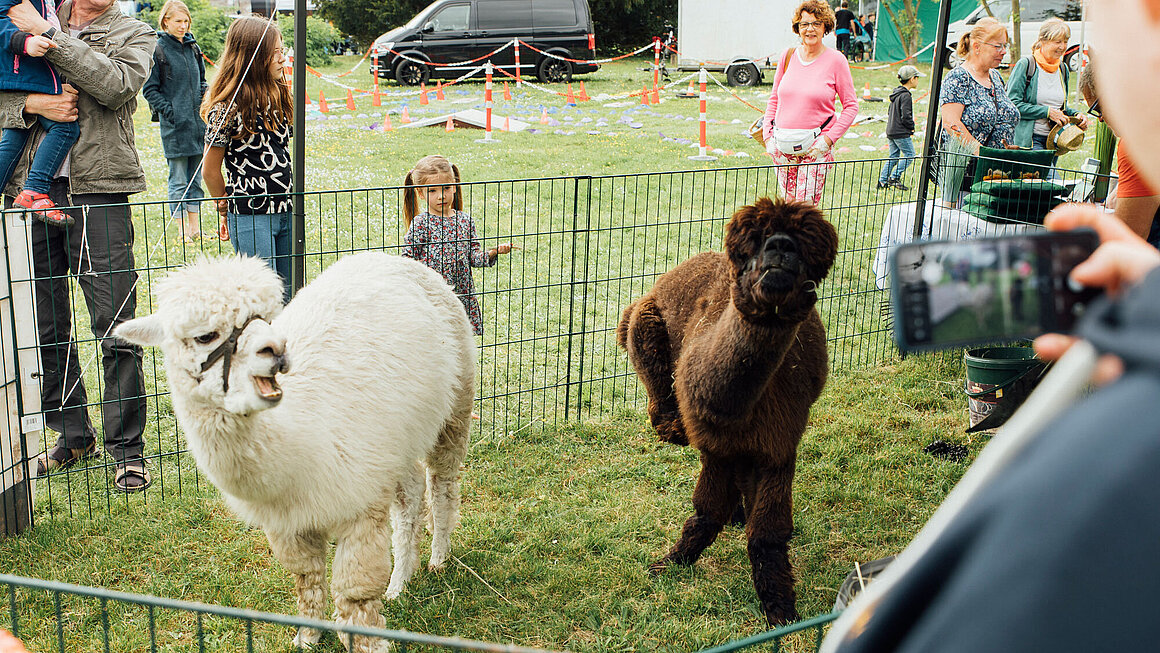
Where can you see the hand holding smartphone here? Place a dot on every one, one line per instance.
(968, 292)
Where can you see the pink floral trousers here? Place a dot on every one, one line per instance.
(802, 177)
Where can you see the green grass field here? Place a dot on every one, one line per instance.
(560, 518)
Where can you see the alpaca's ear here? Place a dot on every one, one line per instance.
(145, 331)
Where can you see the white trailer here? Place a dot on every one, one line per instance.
(744, 38)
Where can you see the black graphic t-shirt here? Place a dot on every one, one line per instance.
(257, 166)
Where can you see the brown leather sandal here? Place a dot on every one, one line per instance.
(133, 476)
(62, 457)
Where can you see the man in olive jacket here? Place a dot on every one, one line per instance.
(106, 57)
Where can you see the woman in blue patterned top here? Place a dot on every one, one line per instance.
(975, 108)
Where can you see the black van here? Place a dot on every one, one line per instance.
(450, 31)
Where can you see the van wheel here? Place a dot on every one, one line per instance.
(746, 75)
(554, 70)
(952, 59)
(410, 73)
(1072, 61)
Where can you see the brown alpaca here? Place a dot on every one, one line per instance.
(732, 354)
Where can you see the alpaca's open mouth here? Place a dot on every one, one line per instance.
(267, 388)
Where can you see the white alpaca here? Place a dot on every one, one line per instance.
(320, 424)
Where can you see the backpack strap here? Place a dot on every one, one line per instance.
(782, 67)
(1030, 71)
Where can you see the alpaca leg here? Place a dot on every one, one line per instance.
(362, 569)
(443, 473)
(406, 527)
(304, 555)
(714, 500)
(768, 530)
(647, 342)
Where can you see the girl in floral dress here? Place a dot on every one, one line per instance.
(443, 237)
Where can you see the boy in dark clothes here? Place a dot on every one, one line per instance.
(899, 128)
(23, 68)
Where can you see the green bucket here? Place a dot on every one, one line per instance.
(990, 371)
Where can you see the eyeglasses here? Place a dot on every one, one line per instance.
(817, 24)
(1094, 109)
(1001, 47)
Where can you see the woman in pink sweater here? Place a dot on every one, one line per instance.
(801, 126)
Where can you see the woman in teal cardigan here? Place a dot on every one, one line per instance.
(1039, 85)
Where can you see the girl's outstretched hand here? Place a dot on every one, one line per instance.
(506, 248)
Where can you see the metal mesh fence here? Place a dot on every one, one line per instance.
(52, 616)
(588, 247)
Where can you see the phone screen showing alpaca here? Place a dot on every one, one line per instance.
(732, 354)
(956, 293)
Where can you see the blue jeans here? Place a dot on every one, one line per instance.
(1039, 142)
(58, 140)
(185, 173)
(267, 236)
(899, 147)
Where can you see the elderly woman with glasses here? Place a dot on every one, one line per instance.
(976, 111)
(975, 106)
(1039, 87)
(801, 125)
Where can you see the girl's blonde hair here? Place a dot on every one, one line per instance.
(260, 97)
(1053, 29)
(170, 8)
(421, 174)
(986, 29)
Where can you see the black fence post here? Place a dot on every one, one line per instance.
(298, 225)
(930, 145)
(572, 297)
(587, 179)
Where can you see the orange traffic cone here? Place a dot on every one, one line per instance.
(583, 97)
(307, 98)
(377, 99)
(387, 126)
(439, 91)
(322, 105)
(349, 100)
(656, 95)
(507, 92)
(405, 117)
(507, 124)
(866, 92)
(644, 95)
(422, 93)
(543, 116)
(450, 124)
(692, 89)
(571, 98)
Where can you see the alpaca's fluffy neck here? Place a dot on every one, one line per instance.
(734, 360)
(233, 450)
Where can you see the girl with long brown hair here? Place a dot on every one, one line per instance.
(248, 113)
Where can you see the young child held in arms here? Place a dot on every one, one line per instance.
(23, 68)
(443, 237)
(899, 129)
(247, 112)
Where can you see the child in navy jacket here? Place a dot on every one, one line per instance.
(899, 129)
(23, 68)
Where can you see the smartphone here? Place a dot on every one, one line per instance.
(956, 293)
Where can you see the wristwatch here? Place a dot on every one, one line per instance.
(49, 33)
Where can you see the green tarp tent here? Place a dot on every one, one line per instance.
(889, 46)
